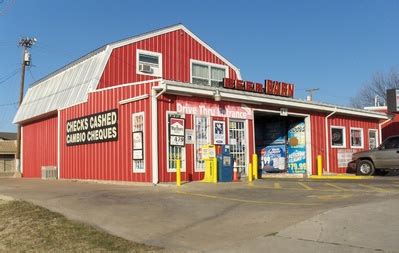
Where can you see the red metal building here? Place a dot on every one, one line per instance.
(107, 115)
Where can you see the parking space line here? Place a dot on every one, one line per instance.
(248, 201)
(277, 186)
(305, 186)
(337, 187)
(376, 189)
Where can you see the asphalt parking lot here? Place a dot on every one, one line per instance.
(219, 217)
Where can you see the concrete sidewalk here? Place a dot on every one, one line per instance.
(223, 218)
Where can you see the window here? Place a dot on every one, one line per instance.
(356, 138)
(338, 137)
(373, 139)
(391, 143)
(207, 73)
(149, 63)
(138, 142)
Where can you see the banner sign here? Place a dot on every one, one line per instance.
(94, 128)
(177, 131)
(297, 148)
(213, 110)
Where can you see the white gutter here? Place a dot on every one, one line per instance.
(327, 143)
(133, 99)
(154, 129)
(379, 128)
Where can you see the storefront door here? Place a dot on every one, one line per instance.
(238, 145)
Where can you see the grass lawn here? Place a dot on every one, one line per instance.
(26, 227)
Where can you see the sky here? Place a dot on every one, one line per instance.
(335, 46)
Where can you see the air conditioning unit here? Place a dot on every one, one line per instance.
(49, 172)
(145, 68)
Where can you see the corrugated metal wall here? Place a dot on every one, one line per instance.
(177, 49)
(108, 160)
(318, 139)
(391, 128)
(349, 122)
(39, 146)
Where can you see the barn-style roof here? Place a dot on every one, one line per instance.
(72, 83)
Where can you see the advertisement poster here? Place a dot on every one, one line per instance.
(344, 156)
(138, 154)
(296, 148)
(177, 132)
(189, 136)
(272, 158)
(138, 140)
(219, 132)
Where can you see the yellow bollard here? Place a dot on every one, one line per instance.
(215, 170)
(255, 165)
(178, 175)
(250, 172)
(319, 166)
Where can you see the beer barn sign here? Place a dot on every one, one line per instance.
(94, 128)
(270, 87)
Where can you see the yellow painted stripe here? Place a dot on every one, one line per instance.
(305, 186)
(344, 177)
(377, 189)
(336, 187)
(248, 201)
(277, 186)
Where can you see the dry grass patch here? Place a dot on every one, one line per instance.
(26, 227)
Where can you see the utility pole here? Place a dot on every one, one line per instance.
(310, 92)
(25, 43)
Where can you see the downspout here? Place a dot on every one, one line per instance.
(58, 144)
(154, 129)
(379, 128)
(327, 143)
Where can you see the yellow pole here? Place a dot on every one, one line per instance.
(215, 170)
(178, 175)
(250, 172)
(319, 166)
(255, 165)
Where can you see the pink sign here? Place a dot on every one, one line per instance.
(215, 110)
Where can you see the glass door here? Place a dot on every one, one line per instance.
(238, 145)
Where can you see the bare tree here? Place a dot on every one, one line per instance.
(377, 86)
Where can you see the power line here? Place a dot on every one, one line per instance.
(9, 104)
(31, 75)
(9, 76)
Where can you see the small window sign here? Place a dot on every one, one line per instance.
(284, 112)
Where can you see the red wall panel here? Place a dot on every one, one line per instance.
(108, 160)
(348, 122)
(39, 146)
(177, 49)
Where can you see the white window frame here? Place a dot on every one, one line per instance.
(209, 65)
(196, 169)
(361, 135)
(376, 136)
(151, 53)
(344, 137)
(183, 163)
(144, 142)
